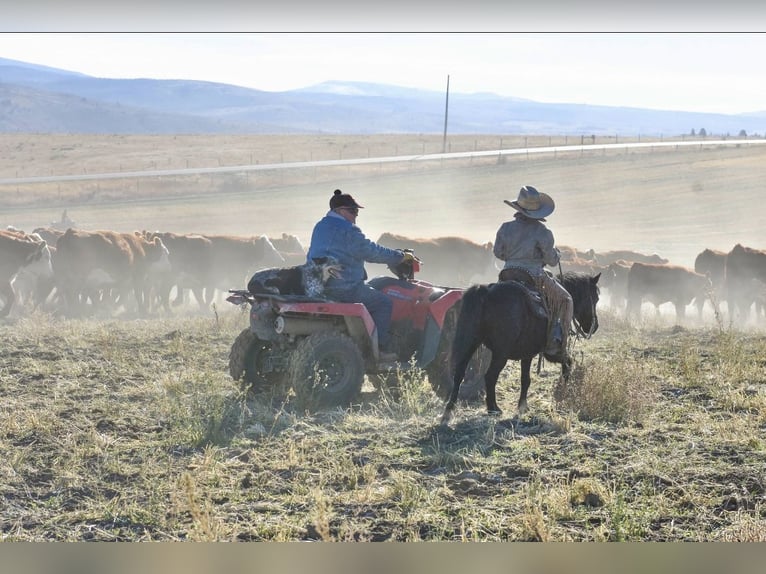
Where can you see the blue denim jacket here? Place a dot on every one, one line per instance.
(333, 235)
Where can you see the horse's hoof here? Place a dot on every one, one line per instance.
(494, 412)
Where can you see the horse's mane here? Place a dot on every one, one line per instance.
(577, 283)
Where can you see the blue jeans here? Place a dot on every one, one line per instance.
(378, 305)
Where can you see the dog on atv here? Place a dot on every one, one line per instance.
(308, 279)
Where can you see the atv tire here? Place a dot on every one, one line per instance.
(440, 373)
(326, 370)
(245, 363)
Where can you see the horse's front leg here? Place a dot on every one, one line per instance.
(526, 379)
(566, 368)
(490, 382)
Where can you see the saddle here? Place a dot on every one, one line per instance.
(523, 279)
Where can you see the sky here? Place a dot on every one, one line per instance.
(698, 71)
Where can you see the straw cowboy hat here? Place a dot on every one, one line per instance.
(532, 203)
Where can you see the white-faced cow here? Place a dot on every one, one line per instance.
(450, 261)
(663, 283)
(49, 234)
(151, 268)
(743, 265)
(19, 251)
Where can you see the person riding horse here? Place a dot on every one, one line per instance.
(527, 246)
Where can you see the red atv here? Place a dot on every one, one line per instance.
(323, 349)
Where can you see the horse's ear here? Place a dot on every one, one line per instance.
(595, 278)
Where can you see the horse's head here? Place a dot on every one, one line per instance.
(585, 293)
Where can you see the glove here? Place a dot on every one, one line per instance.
(409, 256)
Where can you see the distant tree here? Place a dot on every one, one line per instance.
(693, 132)
(742, 133)
(703, 133)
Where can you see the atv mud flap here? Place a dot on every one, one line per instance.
(262, 318)
(432, 335)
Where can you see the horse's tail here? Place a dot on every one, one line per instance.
(468, 322)
(465, 341)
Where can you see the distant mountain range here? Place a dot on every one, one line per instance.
(40, 99)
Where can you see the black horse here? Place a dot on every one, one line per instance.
(509, 322)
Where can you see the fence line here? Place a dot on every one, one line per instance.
(374, 160)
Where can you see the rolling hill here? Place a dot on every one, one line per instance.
(39, 99)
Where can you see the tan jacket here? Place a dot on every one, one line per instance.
(526, 243)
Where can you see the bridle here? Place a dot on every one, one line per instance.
(579, 332)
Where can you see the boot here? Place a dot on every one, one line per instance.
(387, 357)
(555, 350)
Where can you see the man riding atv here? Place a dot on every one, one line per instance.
(323, 344)
(337, 235)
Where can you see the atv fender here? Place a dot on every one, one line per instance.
(357, 319)
(439, 308)
(434, 323)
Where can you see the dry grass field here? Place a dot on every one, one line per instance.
(131, 429)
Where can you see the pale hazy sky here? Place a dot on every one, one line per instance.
(703, 72)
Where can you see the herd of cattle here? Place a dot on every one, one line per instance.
(79, 272)
(74, 272)
(737, 277)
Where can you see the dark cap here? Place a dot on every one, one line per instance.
(340, 199)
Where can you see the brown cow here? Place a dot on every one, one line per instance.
(743, 264)
(607, 257)
(234, 259)
(759, 296)
(578, 265)
(452, 261)
(663, 283)
(19, 251)
(615, 280)
(191, 262)
(712, 263)
(290, 248)
(95, 265)
(568, 253)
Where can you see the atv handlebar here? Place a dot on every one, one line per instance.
(405, 271)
